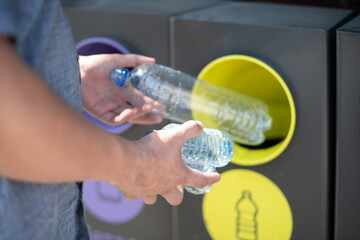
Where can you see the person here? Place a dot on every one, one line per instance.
(48, 148)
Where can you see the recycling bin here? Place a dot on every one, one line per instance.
(348, 131)
(285, 56)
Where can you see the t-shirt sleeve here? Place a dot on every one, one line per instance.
(16, 16)
(9, 18)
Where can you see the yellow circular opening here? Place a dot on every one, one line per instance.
(252, 77)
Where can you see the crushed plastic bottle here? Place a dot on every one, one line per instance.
(181, 97)
(211, 149)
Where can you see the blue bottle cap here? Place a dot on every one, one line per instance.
(119, 76)
(148, 132)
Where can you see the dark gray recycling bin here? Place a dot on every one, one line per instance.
(348, 131)
(139, 25)
(120, 26)
(289, 51)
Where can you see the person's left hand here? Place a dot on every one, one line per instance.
(107, 101)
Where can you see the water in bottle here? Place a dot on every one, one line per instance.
(180, 97)
(211, 149)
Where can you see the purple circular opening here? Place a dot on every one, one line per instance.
(99, 45)
(107, 203)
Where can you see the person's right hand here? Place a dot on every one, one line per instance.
(159, 168)
(108, 102)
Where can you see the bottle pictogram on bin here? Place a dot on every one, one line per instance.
(246, 223)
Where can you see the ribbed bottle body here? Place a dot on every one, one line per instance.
(211, 149)
(180, 97)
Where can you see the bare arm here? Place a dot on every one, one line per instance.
(44, 140)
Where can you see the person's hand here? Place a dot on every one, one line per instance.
(159, 167)
(107, 101)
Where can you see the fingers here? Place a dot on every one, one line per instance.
(190, 129)
(128, 196)
(150, 200)
(147, 119)
(133, 60)
(101, 107)
(125, 114)
(198, 179)
(138, 115)
(174, 196)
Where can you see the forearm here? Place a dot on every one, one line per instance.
(44, 140)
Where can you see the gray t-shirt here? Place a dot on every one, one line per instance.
(43, 39)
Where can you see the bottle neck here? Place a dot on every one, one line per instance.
(119, 76)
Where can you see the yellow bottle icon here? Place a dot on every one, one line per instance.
(246, 223)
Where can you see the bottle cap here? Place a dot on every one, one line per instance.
(148, 132)
(119, 76)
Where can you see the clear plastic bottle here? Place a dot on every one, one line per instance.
(211, 149)
(181, 97)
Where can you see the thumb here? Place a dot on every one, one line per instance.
(199, 179)
(133, 60)
(190, 129)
